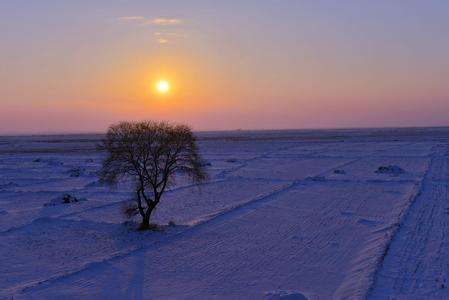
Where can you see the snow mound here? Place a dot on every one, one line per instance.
(341, 172)
(94, 183)
(316, 178)
(285, 295)
(205, 163)
(232, 160)
(64, 199)
(392, 170)
(367, 222)
(8, 185)
(76, 172)
(49, 161)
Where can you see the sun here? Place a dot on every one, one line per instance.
(162, 87)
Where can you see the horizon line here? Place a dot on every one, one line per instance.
(55, 133)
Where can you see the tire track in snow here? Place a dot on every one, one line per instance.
(324, 216)
(222, 177)
(171, 239)
(228, 213)
(241, 208)
(416, 264)
(102, 206)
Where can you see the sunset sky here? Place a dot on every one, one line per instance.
(77, 66)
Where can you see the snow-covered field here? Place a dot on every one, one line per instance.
(330, 214)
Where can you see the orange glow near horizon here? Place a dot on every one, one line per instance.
(210, 75)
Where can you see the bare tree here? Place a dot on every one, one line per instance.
(152, 154)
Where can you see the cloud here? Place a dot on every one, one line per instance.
(155, 21)
(167, 34)
(161, 35)
(164, 41)
(165, 22)
(168, 37)
(131, 18)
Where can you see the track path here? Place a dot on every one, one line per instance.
(417, 263)
(228, 251)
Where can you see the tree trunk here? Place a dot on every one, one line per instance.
(146, 218)
(145, 222)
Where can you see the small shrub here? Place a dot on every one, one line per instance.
(129, 209)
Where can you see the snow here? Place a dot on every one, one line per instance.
(312, 214)
(285, 295)
(416, 264)
(392, 170)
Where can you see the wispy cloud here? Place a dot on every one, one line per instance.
(168, 37)
(131, 18)
(164, 41)
(165, 21)
(162, 36)
(167, 34)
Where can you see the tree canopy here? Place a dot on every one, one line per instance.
(152, 154)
